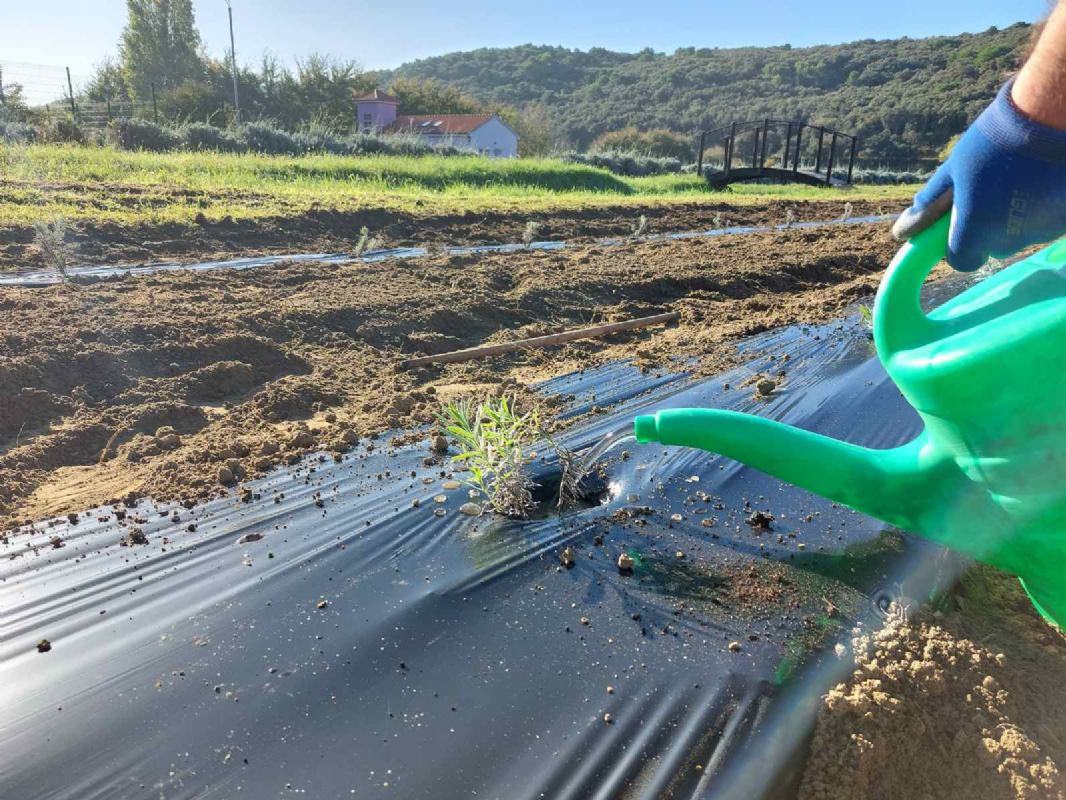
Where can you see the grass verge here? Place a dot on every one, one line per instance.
(107, 185)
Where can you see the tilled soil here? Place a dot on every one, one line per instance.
(179, 384)
(337, 231)
(963, 704)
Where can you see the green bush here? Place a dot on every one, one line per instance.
(631, 165)
(142, 134)
(658, 142)
(198, 136)
(64, 129)
(262, 138)
(17, 133)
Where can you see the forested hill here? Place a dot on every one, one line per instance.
(904, 97)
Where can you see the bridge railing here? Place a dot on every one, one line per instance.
(777, 145)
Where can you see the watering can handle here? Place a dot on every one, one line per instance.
(899, 322)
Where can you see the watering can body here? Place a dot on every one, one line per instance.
(986, 372)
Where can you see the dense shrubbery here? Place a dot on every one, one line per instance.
(259, 137)
(140, 134)
(631, 165)
(17, 133)
(659, 143)
(889, 176)
(197, 136)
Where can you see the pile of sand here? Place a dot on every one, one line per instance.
(969, 704)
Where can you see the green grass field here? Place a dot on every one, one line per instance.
(108, 185)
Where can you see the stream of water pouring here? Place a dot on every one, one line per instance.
(608, 442)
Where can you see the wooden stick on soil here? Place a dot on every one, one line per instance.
(539, 341)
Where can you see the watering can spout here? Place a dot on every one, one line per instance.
(881, 483)
(986, 372)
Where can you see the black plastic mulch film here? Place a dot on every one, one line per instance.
(366, 647)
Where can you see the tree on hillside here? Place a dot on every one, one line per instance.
(903, 97)
(428, 96)
(160, 46)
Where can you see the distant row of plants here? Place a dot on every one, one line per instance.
(261, 137)
(631, 165)
(879, 176)
(252, 137)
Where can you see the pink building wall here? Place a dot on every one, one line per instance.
(375, 114)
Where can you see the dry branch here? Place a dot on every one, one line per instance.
(484, 351)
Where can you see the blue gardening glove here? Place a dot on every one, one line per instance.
(1005, 184)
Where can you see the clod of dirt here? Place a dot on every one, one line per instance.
(72, 519)
(44, 646)
(350, 437)
(56, 542)
(169, 442)
(226, 476)
(250, 537)
(932, 713)
(301, 440)
(135, 536)
(625, 563)
(765, 387)
(760, 519)
(567, 558)
(321, 604)
(607, 718)
(439, 444)
(585, 621)
(734, 647)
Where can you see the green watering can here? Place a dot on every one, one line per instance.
(987, 373)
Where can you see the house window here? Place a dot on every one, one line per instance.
(368, 119)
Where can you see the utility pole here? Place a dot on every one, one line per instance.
(233, 57)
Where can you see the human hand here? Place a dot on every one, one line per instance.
(1004, 183)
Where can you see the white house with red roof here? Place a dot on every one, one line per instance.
(481, 133)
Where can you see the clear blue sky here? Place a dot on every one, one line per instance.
(385, 33)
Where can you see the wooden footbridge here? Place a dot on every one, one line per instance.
(776, 149)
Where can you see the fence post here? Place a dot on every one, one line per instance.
(851, 158)
(155, 108)
(832, 151)
(765, 139)
(799, 141)
(70, 88)
(788, 146)
(729, 147)
(699, 159)
(818, 160)
(755, 152)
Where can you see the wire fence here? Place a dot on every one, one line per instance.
(53, 91)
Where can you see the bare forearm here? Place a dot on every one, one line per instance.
(1040, 88)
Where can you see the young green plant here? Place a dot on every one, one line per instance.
(496, 442)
